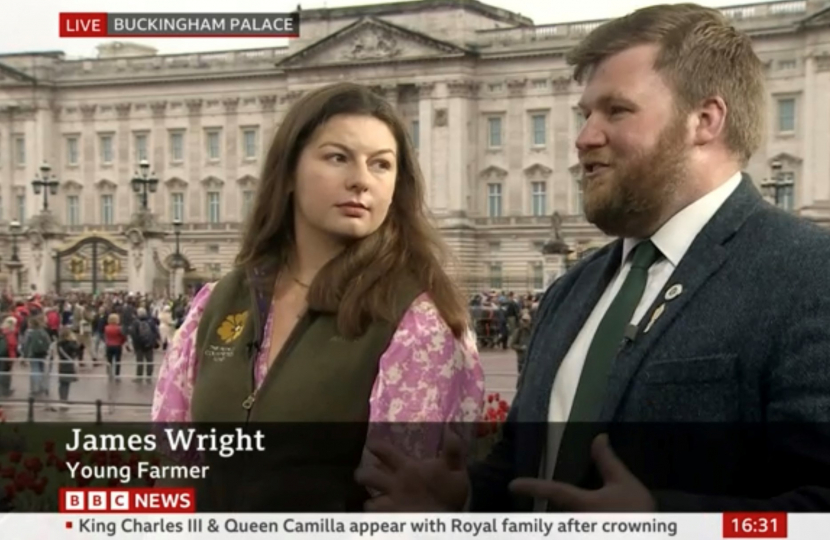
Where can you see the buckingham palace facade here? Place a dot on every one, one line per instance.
(486, 93)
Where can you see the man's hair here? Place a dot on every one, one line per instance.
(701, 56)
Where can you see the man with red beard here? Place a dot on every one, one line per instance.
(684, 366)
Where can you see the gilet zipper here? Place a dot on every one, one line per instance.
(249, 401)
(298, 330)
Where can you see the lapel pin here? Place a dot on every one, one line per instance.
(674, 291)
(656, 315)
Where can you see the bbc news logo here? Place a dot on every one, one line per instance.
(132, 500)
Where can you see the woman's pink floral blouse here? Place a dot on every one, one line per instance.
(426, 375)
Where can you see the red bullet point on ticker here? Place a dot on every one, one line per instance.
(68, 524)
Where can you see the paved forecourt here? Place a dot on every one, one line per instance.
(129, 399)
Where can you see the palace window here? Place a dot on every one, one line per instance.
(249, 143)
(494, 206)
(20, 151)
(539, 124)
(106, 209)
(539, 196)
(213, 149)
(106, 149)
(140, 147)
(177, 146)
(72, 151)
(177, 206)
(73, 211)
(416, 134)
(494, 132)
(247, 202)
(786, 115)
(213, 206)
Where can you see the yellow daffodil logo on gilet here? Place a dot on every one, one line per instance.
(231, 327)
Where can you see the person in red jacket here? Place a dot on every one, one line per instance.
(53, 323)
(8, 352)
(114, 340)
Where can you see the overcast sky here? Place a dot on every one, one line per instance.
(33, 25)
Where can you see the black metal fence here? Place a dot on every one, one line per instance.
(98, 404)
(515, 284)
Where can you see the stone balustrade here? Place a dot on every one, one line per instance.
(242, 60)
(745, 17)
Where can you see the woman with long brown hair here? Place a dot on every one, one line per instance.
(338, 308)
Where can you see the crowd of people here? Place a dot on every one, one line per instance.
(502, 320)
(66, 334)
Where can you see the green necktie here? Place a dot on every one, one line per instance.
(609, 336)
(573, 462)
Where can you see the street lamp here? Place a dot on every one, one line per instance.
(14, 264)
(144, 180)
(779, 187)
(45, 184)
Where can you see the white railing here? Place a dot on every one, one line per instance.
(575, 30)
(241, 59)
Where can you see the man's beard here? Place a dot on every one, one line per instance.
(636, 192)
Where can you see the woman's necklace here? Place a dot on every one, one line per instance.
(304, 286)
(300, 283)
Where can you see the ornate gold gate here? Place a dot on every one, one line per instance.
(93, 264)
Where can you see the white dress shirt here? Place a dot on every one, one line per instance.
(673, 240)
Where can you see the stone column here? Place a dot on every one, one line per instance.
(460, 151)
(815, 174)
(125, 165)
(195, 159)
(158, 142)
(145, 237)
(454, 221)
(89, 162)
(561, 116)
(269, 118)
(15, 267)
(6, 152)
(515, 143)
(44, 235)
(230, 197)
(425, 91)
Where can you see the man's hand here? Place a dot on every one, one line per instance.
(622, 491)
(407, 485)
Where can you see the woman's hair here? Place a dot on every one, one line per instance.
(362, 281)
(113, 318)
(65, 333)
(36, 322)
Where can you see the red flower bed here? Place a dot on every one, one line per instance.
(25, 477)
(488, 429)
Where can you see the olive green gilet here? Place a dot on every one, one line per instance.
(319, 375)
(313, 405)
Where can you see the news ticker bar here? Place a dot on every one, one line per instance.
(457, 526)
(80, 25)
(175, 501)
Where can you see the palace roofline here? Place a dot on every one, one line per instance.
(396, 8)
(796, 14)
